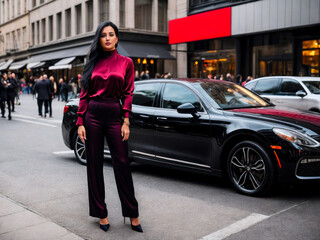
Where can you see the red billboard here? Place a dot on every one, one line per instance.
(207, 25)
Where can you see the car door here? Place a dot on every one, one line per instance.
(286, 97)
(267, 87)
(141, 142)
(181, 139)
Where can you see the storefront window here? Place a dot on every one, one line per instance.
(272, 60)
(311, 58)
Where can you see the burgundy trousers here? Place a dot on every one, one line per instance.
(103, 119)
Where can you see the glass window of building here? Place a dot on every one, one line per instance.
(163, 15)
(122, 16)
(14, 40)
(78, 19)
(43, 30)
(25, 6)
(59, 26)
(143, 11)
(8, 10)
(68, 22)
(18, 38)
(104, 10)
(38, 32)
(89, 7)
(215, 57)
(13, 11)
(50, 19)
(8, 41)
(34, 3)
(273, 60)
(42, 1)
(311, 58)
(24, 37)
(19, 7)
(33, 34)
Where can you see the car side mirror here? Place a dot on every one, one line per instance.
(301, 93)
(188, 108)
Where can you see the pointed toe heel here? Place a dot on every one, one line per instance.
(137, 228)
(105, 227)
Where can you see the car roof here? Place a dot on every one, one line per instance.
(186, 80)
(298, 78)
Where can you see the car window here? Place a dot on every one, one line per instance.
(313, 86)
(266, 86)
(145, 94)
(290, 87)
(250, 85)
(175, 94)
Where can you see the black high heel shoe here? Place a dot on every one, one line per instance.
(105, 227)
(137, 228)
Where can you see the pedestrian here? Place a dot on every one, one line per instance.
(107, 78)
(63, 90)
(11, 90)
(239, 79)
(228, 77)
(52, 91)
(42, 90)
(3, 97)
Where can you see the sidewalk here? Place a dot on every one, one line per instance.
(17, 222)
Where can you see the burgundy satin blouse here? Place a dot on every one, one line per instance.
(112, 76)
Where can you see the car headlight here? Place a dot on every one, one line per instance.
(296, 137)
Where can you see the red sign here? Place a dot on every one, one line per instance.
(207, 25)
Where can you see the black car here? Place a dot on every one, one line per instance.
(216, 127)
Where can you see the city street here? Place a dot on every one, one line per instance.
(39, 173)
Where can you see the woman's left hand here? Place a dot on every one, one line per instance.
(125, 132)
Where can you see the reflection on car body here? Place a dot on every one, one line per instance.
(219, 128)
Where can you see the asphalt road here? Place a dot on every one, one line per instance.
(38, 171)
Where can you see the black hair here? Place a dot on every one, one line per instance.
(95, 52)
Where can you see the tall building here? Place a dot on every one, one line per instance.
(60, 32)
(249, 37)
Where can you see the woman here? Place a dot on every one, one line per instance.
(53, 91)
(107, 78)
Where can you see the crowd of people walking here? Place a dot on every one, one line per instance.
(43, 89)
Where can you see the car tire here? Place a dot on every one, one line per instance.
(250, 169)
(79, 149)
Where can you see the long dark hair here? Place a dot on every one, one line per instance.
(94, 53)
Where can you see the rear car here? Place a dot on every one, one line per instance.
(301, 93)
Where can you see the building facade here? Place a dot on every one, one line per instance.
(59, 34)
(249, 37)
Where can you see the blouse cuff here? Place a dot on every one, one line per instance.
(79, 121)
(126, 114)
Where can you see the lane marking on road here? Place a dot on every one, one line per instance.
(39, 118)
(63, 152)
(33, 122)
(238, 226)
(243, 224)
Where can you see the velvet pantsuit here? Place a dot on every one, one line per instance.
(103, 119)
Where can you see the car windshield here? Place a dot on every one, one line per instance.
(230, 96)
(313, 86)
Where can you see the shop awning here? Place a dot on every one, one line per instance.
(144, 50)
(6, 65)
(1, 63)
(35, 65)
(63, 64)
(60, 54)
(18, 65)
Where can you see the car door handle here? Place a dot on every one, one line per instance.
(144, 116)
(161, 118)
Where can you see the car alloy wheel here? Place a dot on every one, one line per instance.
(80, 150)
(250, 169)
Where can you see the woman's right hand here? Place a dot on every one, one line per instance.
(82, 133)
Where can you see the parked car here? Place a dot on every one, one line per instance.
(295, 92)
(218, 128)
